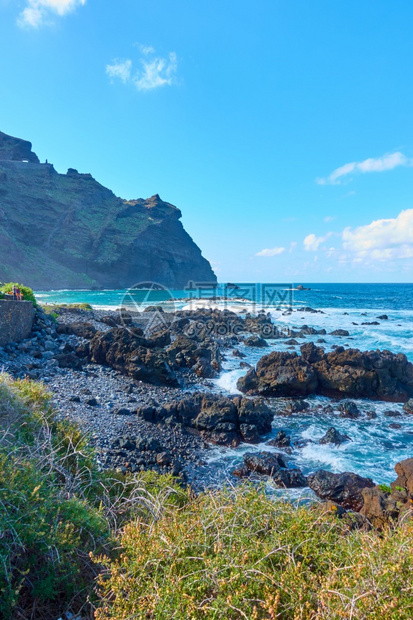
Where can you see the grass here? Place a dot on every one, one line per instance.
(57, 309)
(114, 547)
(56, 507)
(238, 554)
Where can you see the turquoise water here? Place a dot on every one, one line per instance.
(375, 447)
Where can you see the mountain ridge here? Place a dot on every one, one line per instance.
(69, 231)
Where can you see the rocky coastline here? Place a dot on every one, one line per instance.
(140, 386)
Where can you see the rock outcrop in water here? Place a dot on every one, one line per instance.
(222, 420)
(379, 375)
(68, 231)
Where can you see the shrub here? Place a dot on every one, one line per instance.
(57, 507)
(385, 488)
(26, 291)
(238, 554)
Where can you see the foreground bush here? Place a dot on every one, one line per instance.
(237, 554)
(56, 507)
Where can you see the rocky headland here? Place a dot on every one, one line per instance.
(69, 231)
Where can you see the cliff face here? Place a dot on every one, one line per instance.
(68, 231)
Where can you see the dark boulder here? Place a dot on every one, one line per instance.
(348, 409)
(69, 360)
(83, 330)
(340, 332)
(379, 375)
(129, 352)
(344, 489)
(256, 341)
(334, 436)
(281, 440)
(271, 464)
(222, 420)
(265, 463)
(289, 478)
(280, 374)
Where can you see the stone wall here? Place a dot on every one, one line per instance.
(16, 321)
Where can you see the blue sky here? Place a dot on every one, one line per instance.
(282, 129)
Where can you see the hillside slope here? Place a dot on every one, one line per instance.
(68, 231)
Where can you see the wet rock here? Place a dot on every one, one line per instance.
(281, 440)
(392, 413)
(280, 374)
(92, 402)
(265, 463)
(245, 365)
(289, 478)
(344, 489)
(395, 426)
(256, 341)
(350, 372)
(296, 406)
(348, 409)
(408, 407)
(340, 332)
(334, 436)
(238, 353)
(241, 471)
(222, 420)
(383, 317)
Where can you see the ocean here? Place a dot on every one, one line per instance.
(376, 446)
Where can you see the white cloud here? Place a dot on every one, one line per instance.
(293, 245)
(120, 70)
(37, 12)
(154, 72)
(147, 49)
(271, 252)
(382, 239)
(312, 243)
(380, 164)
(328, 218)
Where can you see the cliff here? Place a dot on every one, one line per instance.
(68, 231)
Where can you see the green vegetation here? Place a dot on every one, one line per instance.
(385, 488)
(56, 507)
(238, 554)
(26, 291)
(57, 309)
(113, 547)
